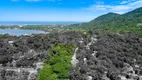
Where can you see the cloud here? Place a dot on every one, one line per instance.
(124, 2)
(122, 7)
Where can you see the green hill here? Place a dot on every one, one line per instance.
(133, 18)
(109, 19)
(130, 19)
(128, 22)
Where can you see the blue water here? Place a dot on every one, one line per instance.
(19, 32)
(32, 22)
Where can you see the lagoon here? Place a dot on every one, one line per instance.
(19, 32)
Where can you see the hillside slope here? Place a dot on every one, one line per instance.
(130, 19)
(106, 20)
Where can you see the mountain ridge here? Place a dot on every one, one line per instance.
(117, 20)
(129, 19)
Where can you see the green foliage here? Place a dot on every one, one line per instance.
(46, 73)
(121, 30)
(57, 63)
(112, 22)
(3, 36)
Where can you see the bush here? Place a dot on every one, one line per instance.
(57, 63)
(46, 73)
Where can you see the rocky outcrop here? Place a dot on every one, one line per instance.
(22, 57)
(109, 57)
(98, 56)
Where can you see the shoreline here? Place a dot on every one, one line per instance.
(19, 32)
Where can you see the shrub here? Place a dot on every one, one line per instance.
(57, 63)
(46, 73)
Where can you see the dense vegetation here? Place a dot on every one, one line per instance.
(57, 64)
(112, 22)
(130, 19)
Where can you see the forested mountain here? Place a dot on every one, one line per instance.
(133, 18)
(109, 19)
(130, 19)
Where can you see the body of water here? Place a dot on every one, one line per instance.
(20, 32)
(34, 23)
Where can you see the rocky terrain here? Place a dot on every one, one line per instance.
(109, 57)
(98, 56)
(22, 57)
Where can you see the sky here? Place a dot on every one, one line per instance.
(62, 10)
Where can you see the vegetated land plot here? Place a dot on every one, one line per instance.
(57, 64)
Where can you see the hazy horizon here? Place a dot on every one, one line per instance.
(62, 10)
(36, 22)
